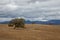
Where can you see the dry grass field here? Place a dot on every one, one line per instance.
(31, 32)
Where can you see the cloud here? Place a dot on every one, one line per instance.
(11, 6)
(5, 19)
(32, 9)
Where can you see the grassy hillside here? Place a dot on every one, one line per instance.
(31, 32)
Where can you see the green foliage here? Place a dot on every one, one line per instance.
(18, 22)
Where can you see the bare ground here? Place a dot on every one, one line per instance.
(31, 32)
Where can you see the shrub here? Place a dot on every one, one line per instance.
(17, 22)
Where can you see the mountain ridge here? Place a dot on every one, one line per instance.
(56, 22)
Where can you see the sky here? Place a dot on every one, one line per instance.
(39, 10)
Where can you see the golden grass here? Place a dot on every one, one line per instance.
(31, 32)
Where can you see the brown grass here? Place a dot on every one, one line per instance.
(31, 32)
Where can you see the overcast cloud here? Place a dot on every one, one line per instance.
(30, 9)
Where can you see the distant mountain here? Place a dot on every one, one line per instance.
(56, 22)
(52, 22)
(5, 22)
